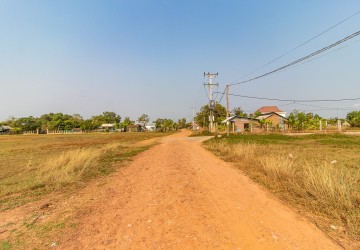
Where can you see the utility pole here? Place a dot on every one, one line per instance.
(211, 101)
(193, 120)
(227, 110)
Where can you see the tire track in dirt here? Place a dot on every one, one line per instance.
(177, 195)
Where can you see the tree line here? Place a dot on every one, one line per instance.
(297, 120)
(60, 121)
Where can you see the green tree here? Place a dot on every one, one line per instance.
(127, 121)
(106, 117)
(88, 125)
(27, 123)
(303, 121)
(144, 119)
(353, 118)
(202, 117)
(238, 112)
(181, 123)
(164, 124)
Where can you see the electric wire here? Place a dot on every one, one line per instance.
(302, 59)
(222, 95)
(325, 54)
(302, 44)
(294, 100)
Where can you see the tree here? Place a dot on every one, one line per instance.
(164, 124)
(300, 121)
(256, 114)
(126, 122)
(144, 118)
(88, 125)
(181, 123)
(238, 112)
(106, 117)
(353, 118)
(202, 117)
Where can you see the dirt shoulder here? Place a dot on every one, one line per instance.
(178, 195)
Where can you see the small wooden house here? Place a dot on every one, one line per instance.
(273, 121)
(242, 124)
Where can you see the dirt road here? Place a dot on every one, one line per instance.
(179, 196)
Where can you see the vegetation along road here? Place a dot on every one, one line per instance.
(177, 195)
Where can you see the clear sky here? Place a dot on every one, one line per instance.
(141, 56)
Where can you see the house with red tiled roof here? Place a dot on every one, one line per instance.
(271, 109)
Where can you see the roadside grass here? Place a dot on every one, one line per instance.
(318, 173)
(5, 245)
(202, 133)
(34, 165)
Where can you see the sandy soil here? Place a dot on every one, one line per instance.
(179, 196)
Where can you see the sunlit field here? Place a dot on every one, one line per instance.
(34, 165)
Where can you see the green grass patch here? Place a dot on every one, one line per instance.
(5, 245)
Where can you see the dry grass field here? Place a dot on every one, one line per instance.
(34, 165)
(317, 174)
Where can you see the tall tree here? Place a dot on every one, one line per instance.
(106, 117)
(238, 112)
(181, 123)
(202, 117)
(127, 121)
(353, 118)
(144, 119)
(164, 124)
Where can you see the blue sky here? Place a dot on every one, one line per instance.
(135, 57)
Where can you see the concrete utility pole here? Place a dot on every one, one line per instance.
(227, 110)
(193, 119)
(211, 101)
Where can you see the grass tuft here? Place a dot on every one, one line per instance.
(70, 166)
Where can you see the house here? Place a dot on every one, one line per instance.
(134, 128)
(241, 124)
(273, 120)
(150, 127)
(5, 129)
(269, 121)
(270, 109)
(107, 127)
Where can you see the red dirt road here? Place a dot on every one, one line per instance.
(177, 195)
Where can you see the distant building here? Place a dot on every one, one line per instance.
(241, 124)
(134, 128)
(270, 109)
(5, 129)
(150, 127)
(108, 126)
(273, 120)
(269, 121)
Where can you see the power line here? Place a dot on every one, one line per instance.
(302, 44)
(302, 59)
(294, 100)
(329, 108)
(222, 95)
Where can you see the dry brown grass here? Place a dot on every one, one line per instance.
(34, 165)
(300, 172)
(69, 166)
(52, 168)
